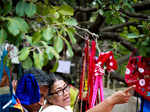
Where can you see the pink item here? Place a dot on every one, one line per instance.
(111, 65)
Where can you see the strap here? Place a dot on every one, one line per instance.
(91, 70)
(95, 89)
(82, 78)
(101, 88)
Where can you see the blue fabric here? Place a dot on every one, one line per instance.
(28, 90)
(146, 105)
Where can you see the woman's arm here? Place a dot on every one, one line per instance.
(119, 97)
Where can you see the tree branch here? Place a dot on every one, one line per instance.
(117, 76)
(142, 6)
(136, 15)
(97, 24)
(87, 31)
(115, 37)
(88, 9)
(123, 59)
(115, 27)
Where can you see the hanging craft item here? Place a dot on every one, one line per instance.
(138, 73)
(91, 78)
(83, 80)
(92, 74)
(105, 59)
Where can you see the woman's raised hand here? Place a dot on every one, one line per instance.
(121, 97)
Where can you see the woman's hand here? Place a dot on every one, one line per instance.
(120, 97)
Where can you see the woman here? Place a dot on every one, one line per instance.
(58, 99)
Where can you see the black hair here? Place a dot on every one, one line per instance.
(41, 77)
(53, 77)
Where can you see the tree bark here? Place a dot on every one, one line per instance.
(115, 37)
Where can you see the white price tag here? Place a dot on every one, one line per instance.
(64, 66)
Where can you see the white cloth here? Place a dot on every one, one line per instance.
(55, 108)
(13, 53)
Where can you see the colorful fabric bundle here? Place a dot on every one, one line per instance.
(8, 102)
(138, 73)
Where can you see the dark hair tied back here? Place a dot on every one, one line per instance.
(52, 79)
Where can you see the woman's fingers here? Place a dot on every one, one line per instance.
(127, 91)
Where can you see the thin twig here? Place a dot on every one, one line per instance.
(86, 30)
(80, 35)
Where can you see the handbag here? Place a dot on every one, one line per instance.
(8, 101)
(138, 73)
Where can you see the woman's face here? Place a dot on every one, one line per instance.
(60, 94)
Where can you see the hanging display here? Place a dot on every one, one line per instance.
(138, 73)
(91, 82)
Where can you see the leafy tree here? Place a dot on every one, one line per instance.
(44, 29)
(40, 30)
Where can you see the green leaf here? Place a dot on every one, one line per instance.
(58, 44)
(48, 33)
(17, 25)
(54, 67)
(38, 60)
(71, 22)
(127, 6)
(7, 7)
(23, 26)
(134, 29)
(36, 37)
(13, 27)
(30, 9)
(101, 12)
(53, 51)
(27, 64)
(49, 54)
(45, 57)
(145, 43)
(29, 39)
(122, 19)
(69, 52)
(66, 10)
(20, 8)
(71, 32)
(24, 53)
(41, 59)
(54, 13)
(133, 35)
(44, 43)
(3, 35)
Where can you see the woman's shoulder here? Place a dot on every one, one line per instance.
(54, 108)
